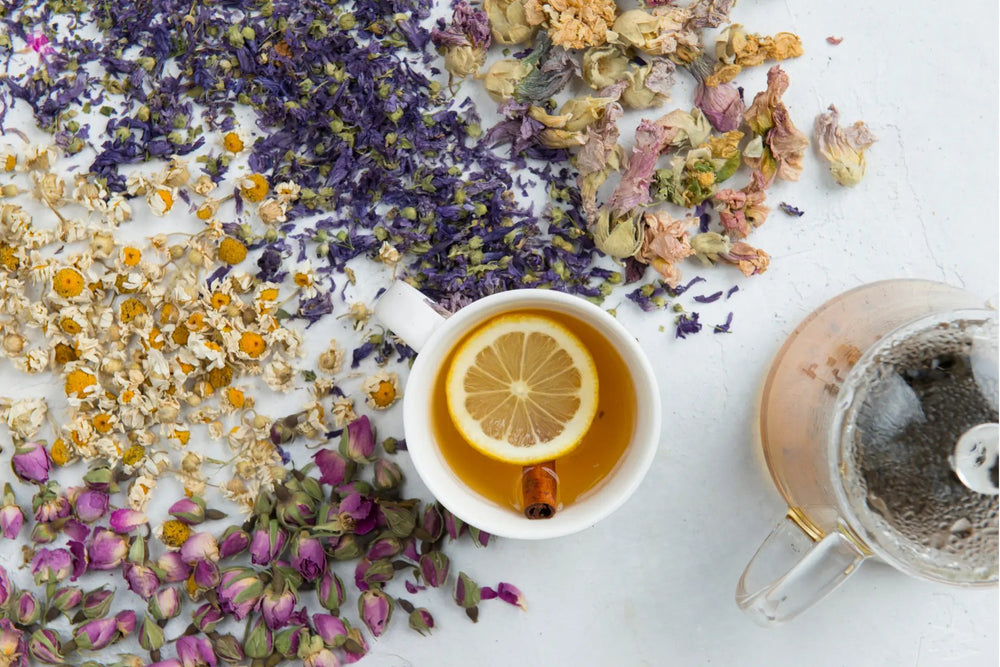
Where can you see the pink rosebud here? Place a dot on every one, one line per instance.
(334, 469)
(107, 550)
(188, 510)
(165, 604)
(266, 544)
(5, 587)
(434, 567)
(330, 629)
(172, 567)
(13, 644)
(126, 520)
(207, 616)
(195, 652)
(277, 606)
(358, 441)
(321, 658)
(51, 565)
(96, 603)
(11, 514)
(26, 609)
(239, 591)
(234, 542)
(125, 622)
(31, 462)
(206, 574)
(95, 635)
(375, 609)
(142, 580)
(308, 557)
(330, 591)
(91, 505)
(44, 646)
(200, 546)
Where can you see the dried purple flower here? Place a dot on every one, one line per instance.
(45, 647)
(375, 609)
(51, 565)
(330, 628)
(234, 541)
(96, 634)
(357, 514)
(334, 468)
(239, 591)
(126, 520)
(172, 568)
(266, 545)
(308, 557)
(91, 505)
(687, 325)
(195, 652)
(421, 620)
(276, 606)
(31, 462)
(188, 510)
(790, 210)
(358, 441)
(106, 550)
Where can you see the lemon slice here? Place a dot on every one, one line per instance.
(522, 389)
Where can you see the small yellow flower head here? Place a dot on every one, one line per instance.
(133, 455)
(78, 382)
(8, 258)
(252, 344)
(254, 188)
(175, 533)
(9, 162)
(381, 390)
(232, 251)
(232, 142)
(131, 309)
(59, 453)
(70, 326)
(68, 283)
(235, 397)
(220, 377)
(207, 209)
(131, 256)
(161, 201)
(220, 300)
(65, 353)
(102, 423)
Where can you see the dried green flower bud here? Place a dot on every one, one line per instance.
(347, 548)
(259, 642)
(624, 240)
(467, 594)
(228, 648)
(150, 634)
(400, 518)
(387, 475)
(96, 603)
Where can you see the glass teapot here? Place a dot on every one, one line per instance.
(878, 420)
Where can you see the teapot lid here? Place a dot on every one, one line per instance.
(918, 440)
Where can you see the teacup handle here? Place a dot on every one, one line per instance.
(794, 569)
(408, 314)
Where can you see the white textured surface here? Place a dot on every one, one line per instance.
(653, 585)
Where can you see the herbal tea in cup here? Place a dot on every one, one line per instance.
(523, 405)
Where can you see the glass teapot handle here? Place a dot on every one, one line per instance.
(795, 568)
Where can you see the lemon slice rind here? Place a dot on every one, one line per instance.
(465, 359)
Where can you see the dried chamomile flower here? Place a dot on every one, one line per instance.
(24, 417)
(160, 199)
(649, 85)
(343, 411)
(844, 148)
(666, 243)
(508, 22)
(332, 359)
(204, 185)
(574, 24)
(381, 390)
(388, 254)
(503, 76)
(272, 211)
(604, 65)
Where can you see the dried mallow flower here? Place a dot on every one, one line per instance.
(735, 49)
(648, 85)
(604, 65)
(574, 24)
(618, 236)
(844, 148)
(665, 244)
(464, 41)
(740, 211)
(508, 22)
(501, 79)
(781, 147)
(660, 32)
(712, 247)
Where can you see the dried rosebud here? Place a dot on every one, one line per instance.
(189, 510)
(126, 520)
(141, 579)
(375, 609)
(67, 598)
(13, 643)
(357, 442)
(239, 591)
(308, 557)
(90, 505)
(266, 545)
(384, 547)
(288, 640)
(334, 469)
(206, 574)
(234, 541)
(5, 587)
(165, 604)
(206, 617)
(172, 568)
(330, 591)
(467, 592)
(11, 514)
(434, 568)
(31, 462)
(26, 609)
(229, 648)
(299, 510)
(453, 525)
(355, 647)
(347, 548)
(259, 641)
(193, 651)
(96, 634)
(399, 517)
(45, 647)
(277, 606)
(106, 550)
(150, 634)
(421, 620)
(387, 475)
(100, 479)
(200, 546)
(369, 574)
(50, 566)
(96, 603)
(330, 629)
(125, 622)
(137, 551)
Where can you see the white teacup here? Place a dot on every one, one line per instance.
(410, 315)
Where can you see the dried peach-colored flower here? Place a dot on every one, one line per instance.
(665, 244)
(574, 24)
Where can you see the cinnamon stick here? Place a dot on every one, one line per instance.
(538, 490)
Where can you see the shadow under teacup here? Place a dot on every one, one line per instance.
(411, 316)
